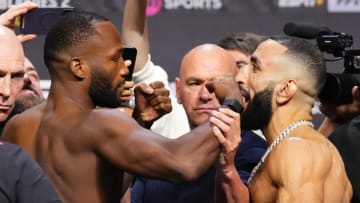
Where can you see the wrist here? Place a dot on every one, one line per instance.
(139, 117)
(228, 172)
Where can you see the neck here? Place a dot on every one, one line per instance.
(62, 93)
(279, 121)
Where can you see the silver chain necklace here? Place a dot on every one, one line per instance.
(276, 141)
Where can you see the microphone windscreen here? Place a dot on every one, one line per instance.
(304, 30)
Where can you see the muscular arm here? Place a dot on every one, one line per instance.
(140, 151)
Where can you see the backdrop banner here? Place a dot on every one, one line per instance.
(175, 26)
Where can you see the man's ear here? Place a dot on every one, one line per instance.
(177, 85)
(286, 91)
(78, 68)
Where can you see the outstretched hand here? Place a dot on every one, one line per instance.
(8, 18)
(151, 102)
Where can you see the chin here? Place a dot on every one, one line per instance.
(3, 117)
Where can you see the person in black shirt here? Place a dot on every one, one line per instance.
(21, 178)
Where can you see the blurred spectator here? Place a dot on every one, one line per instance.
(135, 33)
(342, 127)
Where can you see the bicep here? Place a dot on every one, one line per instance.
(137, 150)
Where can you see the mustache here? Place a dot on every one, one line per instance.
(241, 88)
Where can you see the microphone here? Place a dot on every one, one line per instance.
(305, 30)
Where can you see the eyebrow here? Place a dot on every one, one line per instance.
(255, 60)
(189, 79)
(18, 72)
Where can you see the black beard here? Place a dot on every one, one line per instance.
(259, 110)
(101, 92)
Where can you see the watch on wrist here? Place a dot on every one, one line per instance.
(233, 104)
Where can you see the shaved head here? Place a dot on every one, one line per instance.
(209, 56)
(10, 46)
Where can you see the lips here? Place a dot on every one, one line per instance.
(205, 109)
(5, 107)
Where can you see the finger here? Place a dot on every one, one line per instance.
(218, 134)
(157, 85)
(128, 84)
(228, 119)
(144, 88)
(16, 10)
(160, 99)
(126, 93)
(27, 4)
(163, 107)
(25, 38)
(125, 98)
(229, 112)
(355, 93)
(220, 124)
(161, 91)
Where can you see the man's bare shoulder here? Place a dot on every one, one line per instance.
(111, 122)
(302, 156)
(21, 126)
(32, 115)
(111, 116)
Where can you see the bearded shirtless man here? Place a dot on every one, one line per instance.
(301, 165)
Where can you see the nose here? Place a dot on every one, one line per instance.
(5, 86)
(242, 75)
(27, 80)
(205, 95)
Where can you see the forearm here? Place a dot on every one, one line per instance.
(229, 188)
(135, 32)
(197, 150)
(136, 115)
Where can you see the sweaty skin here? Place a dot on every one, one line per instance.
(85, 150)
